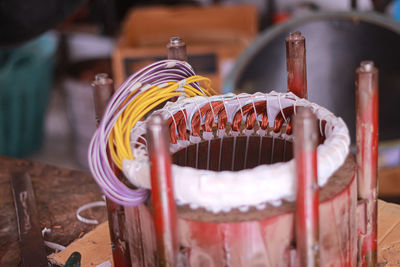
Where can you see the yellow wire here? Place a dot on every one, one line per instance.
(121, 136)
(189, 90)
(124, 150)
(126, 153)
(119, 140)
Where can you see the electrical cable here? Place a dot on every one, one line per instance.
(141, 93)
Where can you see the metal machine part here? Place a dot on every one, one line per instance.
(176, 49)
(237, 237)
(307, 204)
(367, 156)
(233, 134)
(244, 231)
(296, 64)
(165, 214)
(103, 88)
(336, 43)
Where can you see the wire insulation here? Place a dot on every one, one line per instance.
(139, 95)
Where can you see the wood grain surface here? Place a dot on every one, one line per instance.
(59, 193)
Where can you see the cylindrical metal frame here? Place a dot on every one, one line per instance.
(305, 131)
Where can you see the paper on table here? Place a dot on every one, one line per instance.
(94, 248)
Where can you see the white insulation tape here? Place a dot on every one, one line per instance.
(222, 191)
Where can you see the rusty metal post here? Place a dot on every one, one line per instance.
(367, 156)
(162, 193)
(103, 88)
(176, 49)
(296, 64)
(307, 203)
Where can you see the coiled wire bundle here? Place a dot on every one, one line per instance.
(137, 96)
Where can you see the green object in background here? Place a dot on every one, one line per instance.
(74, 260)
(26, 74)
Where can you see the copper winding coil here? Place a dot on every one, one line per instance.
(178, 121)
(216, 109)
(211, 111)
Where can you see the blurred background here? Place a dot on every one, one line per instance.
(51, 50)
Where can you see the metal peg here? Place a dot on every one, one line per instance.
(296, 64)
(367, 155)
(307, 204)
(176, 49)
(162, 193)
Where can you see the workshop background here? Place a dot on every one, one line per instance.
(49, 57)
(47, 110)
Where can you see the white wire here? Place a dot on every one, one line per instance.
(86, 207)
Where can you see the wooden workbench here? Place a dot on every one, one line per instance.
(59, 193)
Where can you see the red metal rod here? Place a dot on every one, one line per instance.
(103, 88)
(367, 155)
(162, 194)
(176, 49)
(118, 234)
(307, 204)
(296, 64)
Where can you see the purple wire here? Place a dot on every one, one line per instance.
(100, 167)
